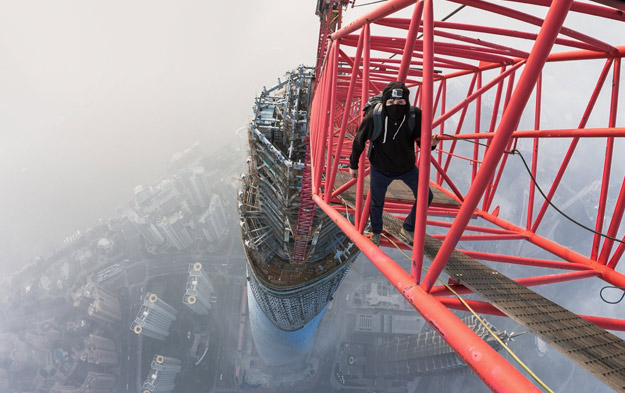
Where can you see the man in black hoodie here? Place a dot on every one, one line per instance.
(392, 155)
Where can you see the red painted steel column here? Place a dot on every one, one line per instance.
(472, 96)
(492, 187)
(441, 132)
(617, 216)
(328, 122)
(615, 223)
(530, 201)
(360, 217)
(386, 9)
(427, 96)
(410, 41)
(573, 145)
(607, 167)
(365, 214)
(478, 114)
(607, 274)
(489, 365)
(346, 113)
(618, 254)
(548, 33)
(321, 120)
(443, 176)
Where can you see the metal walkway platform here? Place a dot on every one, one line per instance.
(399, 191)
(598, 351)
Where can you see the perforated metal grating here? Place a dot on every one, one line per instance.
(598, 351)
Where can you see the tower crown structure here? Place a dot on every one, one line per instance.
(296, 256)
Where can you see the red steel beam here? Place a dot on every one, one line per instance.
(573, 145)
(512, 236)
(607, 274)
(609, 132)
(447, 179)
(584, 8)
(424, 163)
(410, 41)
(489, 366)
(500, 10)
(348, 101)
(607, 168)
(538, 56)
(502, 49)
(532, 186)
(386, 9)
(475, 95)
(360, 217)
(329, 125)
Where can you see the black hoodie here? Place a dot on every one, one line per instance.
(393, 151)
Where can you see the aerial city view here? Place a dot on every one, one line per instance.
(345, 196)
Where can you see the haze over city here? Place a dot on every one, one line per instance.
(123, 150)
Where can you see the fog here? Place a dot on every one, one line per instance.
(96, 96)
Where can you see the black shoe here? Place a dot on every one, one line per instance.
(406, 236)
(375, 238)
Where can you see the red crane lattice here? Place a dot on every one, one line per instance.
(506, 61)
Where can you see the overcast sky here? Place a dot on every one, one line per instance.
(96, 95)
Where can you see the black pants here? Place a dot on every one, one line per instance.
(379, 182)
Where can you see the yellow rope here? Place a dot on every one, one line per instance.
(514, 356)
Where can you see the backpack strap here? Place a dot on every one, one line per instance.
(414, 116)
(377, 126)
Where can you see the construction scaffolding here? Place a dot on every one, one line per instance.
(296, 256)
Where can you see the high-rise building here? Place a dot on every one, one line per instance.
(199, 290)
(197, 185)
(167, 199)
(43, 341)
(154, 318)
(163, 372)
(388, 323)
(98, 383)
(99, 350)
(65, 389)
(296, 255)
(148, 230)
(99, 303)
(424, 353)
(21, 355)
(175, 231)
(143, 198)
(213, 222)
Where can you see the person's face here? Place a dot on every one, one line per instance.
(395, 101)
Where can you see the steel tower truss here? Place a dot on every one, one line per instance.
(501, 70)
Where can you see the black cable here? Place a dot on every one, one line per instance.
(468, 140)
(454, 12)
(516, 152)
(529, 171)
(611, 287)
(373, 2)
